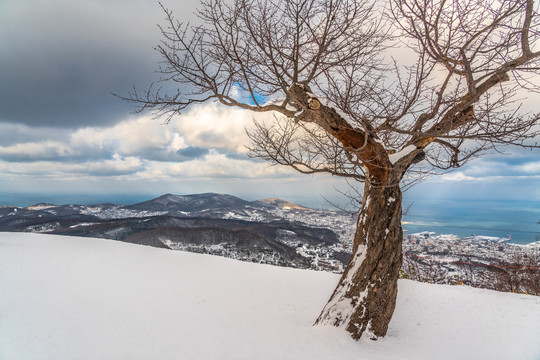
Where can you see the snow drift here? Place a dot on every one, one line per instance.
(81, 298)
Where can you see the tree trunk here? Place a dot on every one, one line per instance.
(365, 297)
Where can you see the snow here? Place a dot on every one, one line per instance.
(533, 245)
(488, 238)
(82, 298)
(340, 308)
(81, 224)
(41, 207)
(394, 158)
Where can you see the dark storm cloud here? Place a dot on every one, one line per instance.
(241, 156)
(191, 153)
(164, 155)
(11, 134)
(61, 59)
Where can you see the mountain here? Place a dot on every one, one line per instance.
(190, 203)
(194, 205)
(80, 298)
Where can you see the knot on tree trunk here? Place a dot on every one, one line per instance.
(362, 143)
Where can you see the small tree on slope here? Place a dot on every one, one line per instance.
(319, 64)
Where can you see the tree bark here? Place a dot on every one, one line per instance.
(365, 297)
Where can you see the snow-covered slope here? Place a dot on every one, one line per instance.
(79, 298)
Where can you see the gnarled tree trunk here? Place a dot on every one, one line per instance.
(365, 297)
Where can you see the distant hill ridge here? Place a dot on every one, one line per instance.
(207, 201)
(41, 206)
(189, 203)
(181, 203)
(283, 203)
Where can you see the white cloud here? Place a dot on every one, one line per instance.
(129, 137)
(216, 126)
(457, 176)
(209, 126)
(116, 166)
(215, 165)
(483, 167)
(48, 169)
(530, 167)
(194, 145)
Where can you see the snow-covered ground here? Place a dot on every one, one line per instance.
(81, 298)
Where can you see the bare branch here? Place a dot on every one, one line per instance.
(455, 102)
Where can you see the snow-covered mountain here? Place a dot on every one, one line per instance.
(208, 205)
(191, 203)
(65, 297)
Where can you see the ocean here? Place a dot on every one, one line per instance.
(517, 220)
(500, 218)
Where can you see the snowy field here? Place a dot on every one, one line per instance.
(79, 298)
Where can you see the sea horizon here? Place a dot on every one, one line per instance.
(515, 220)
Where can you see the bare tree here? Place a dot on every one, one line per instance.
(344, 107)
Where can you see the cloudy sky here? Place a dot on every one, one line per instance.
(65, 138)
